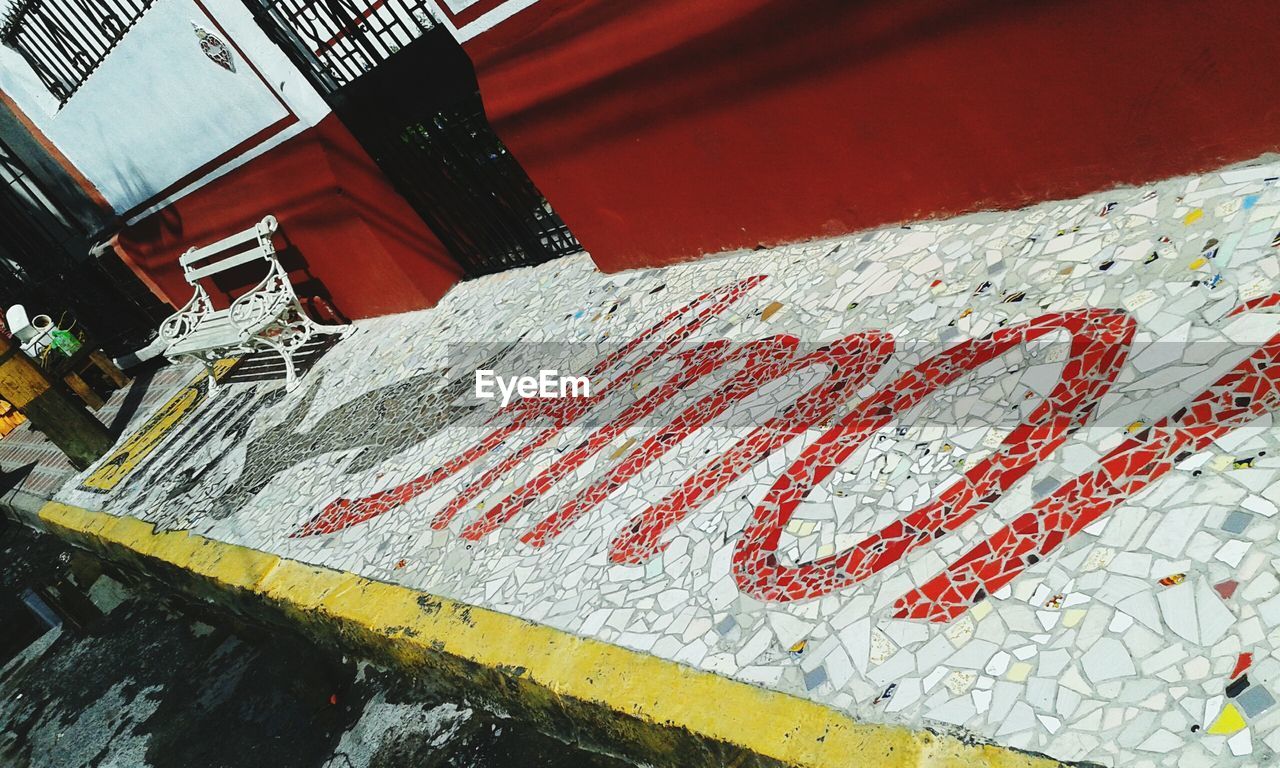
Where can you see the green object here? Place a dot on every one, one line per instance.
(65, 341)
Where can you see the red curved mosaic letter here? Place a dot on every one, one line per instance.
(1248, 391)
(1099, 343)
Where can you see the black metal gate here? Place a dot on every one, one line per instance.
(408, 92)
(45, 264)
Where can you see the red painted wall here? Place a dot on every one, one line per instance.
(353, 239)
(670, 128)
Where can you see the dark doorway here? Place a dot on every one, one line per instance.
(408, 92)
(46, 265)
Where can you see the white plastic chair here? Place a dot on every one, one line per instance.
(33, 334)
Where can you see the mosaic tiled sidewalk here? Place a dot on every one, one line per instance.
(1011, 474)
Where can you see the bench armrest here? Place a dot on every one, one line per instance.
(264, 302)
(185, 320)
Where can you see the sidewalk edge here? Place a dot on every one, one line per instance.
(651, 702)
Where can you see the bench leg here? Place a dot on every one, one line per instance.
(297, 331)
(291, 331)
(212, 388)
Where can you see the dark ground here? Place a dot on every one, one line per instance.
(151, 679)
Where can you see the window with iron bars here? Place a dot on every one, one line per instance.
(343, 39)
(18, 181)
(64, 41)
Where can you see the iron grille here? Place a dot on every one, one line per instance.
(64, 41)
(42, 219)
(45, 264)
(475, 195)
(343, 39)
(408, 92)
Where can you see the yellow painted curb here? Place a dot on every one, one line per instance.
(536, 663)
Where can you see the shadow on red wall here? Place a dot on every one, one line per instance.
(356, 244)
(668, 129)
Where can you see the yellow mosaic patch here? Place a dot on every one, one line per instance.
(121, 462)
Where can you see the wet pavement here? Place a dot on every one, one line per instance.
(139, 676)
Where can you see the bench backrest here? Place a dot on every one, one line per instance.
(230, 252)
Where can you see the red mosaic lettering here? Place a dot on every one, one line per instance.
(851, 362)
(1099, 343)
(344, 513)
(1248, 391)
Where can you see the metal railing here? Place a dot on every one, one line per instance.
(344, 39)
(474, 193)
(407, 91)
(64, 41)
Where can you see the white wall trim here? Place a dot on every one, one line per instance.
(222, 170)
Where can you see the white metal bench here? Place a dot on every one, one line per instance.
(267, 317)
